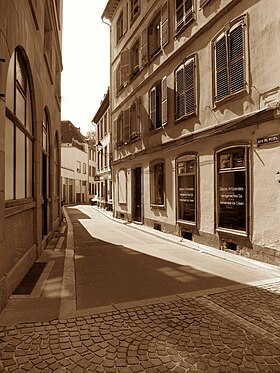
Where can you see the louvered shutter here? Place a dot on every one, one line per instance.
(125, 66)
(120, 129)
(153, 107)
(164, 25)
(132, 120)
(115, 133)
(126, 135)
(236, 58)
(125, 18)
(138, 116)
(179, 14)
(144, 48)
(190, 86)
(180, 99)
(188, 10)
(164, 101)
(115, 83)
(221, 66)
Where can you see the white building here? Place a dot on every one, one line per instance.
(74, 164)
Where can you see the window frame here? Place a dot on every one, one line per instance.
(153, 190)
(134, 14)
(226, 33)
(183, 66)
(20, 85)
(187, 16)
(230, 149)
(184, 158)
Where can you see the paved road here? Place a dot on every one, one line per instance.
(126, 301)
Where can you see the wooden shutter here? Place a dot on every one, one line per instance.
(125, 66)
(144, 48)
(180, 96)
(236, 58)
(115, 133)
(119, 130)
(132, 120)
(164, 101)
(179, 14)
(221, 66)
(164, 25)
(125, 131)
(153, 107)
(190, 86)
(138, 116)
(125, 18)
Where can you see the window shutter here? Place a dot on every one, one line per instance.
(180, 92)
(115, 133)
(125, 18)
(125, 66)
(153, 107)
(164, 25)
(188, 10)
(144, 48)
(132, 120)
(119, 129)
(164, 101)
(190, 86)
(221, 67)
(236, 59)
(126, 126)
(115, 85)
(138, 116)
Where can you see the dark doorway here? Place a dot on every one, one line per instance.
(137, 194)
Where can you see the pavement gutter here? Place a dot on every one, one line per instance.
(68, 288)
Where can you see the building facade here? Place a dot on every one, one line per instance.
(102, 121)
(75, 164)
(195, 120)
(30, 69)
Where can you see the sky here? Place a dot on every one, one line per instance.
(86, 61)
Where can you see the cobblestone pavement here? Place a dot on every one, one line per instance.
(225, 331)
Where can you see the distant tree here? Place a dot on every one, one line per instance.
(91, 135)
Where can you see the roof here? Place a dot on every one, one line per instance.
(102, 108)
(110, 9)
(70, 132)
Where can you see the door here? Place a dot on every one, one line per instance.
(137, 194)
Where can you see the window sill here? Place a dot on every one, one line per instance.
(155, 130)
(232, 232)
(186, 222)
(229, 97)
(157, 207)
(187, 116)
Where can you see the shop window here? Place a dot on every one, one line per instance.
(185, 81)
(19, 137)
(232, 200)
(157, 182)
(186, 171)
(229, 57)
(184, 13)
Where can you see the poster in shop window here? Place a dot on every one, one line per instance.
(186, 197)
(232, 200)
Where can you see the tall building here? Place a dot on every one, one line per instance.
(102, 121)
(30, 69)
(74, 164)
(195, 120)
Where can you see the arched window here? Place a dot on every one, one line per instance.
(19, 136)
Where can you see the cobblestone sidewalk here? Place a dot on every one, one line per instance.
(229, 331)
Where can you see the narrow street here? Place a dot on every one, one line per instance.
(127, 299)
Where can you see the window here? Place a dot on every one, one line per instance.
(186, 188)
(48, 44)
(57, 166)
(19, 137)
(84, 168)
(134, 9)
(135, 58)
(158, 105)
(185, 78)
(154, 36)
(184, 13)
(128, 124)
(122, 23)
(232, 200)
(229, 57)
(157, 184)
(79, 167)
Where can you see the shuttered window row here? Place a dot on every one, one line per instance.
(229, 53)
(128, 126)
